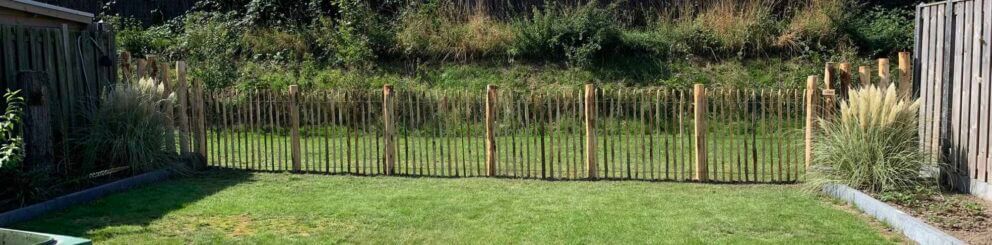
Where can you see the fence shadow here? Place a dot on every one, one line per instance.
(138, 207)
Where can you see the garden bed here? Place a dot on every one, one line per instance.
(241, 207)
(963, 216)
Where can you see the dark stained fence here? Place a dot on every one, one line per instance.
(74, 65)
(952, 81)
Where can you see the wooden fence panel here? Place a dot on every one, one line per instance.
(952, 60)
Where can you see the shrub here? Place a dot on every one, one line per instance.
(128, 128)
(275, 44)
(342, 44)
(19, 184)
(881, 32)
(577, 34)
(872, 146)
(211, 44)
(132, 37)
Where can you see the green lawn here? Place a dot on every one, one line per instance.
(239, 207)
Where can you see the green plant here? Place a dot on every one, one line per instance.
(882, 32)
(815, 25)
(12, 150)
(577, 34)
(131, 36)
(210, 43)
(128, 128)
(872, 145)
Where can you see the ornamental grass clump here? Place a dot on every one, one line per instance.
(129, 128)
(872, 145)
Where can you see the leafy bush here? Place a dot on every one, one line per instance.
(576, 34)
(12, 150)
(881, 32)
(210, 42)
(872, 146)
(132, 37)
(342, 44)
(274, 44)
(128, 128)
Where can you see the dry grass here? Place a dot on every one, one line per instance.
(740, 25)
(452, 31)
(813, 22)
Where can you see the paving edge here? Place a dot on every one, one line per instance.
(915, 229)
(84, 196)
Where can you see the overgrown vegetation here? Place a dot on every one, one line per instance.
(873, 145)
(328, 42)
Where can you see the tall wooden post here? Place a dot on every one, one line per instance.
(829, 95)
(294, 114)
(125, 65)
(491, 130)
(388, 134)
(884, 79)
(864, 74)
(811, 104)
(845, 79)
(200, 122)
(905, 79)
(142, 70)
(183, 102)
(699, 99)
(163, 78)
(590, 115)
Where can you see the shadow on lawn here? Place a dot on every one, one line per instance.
(138, 207)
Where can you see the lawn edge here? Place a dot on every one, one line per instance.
(33, 211)
(912, 227)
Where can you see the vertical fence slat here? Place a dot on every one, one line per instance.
(699, 101)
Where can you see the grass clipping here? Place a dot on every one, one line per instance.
(873, 145)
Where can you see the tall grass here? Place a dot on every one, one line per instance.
(129, 128)
(440, 29)
(872, 146)
(740, 26)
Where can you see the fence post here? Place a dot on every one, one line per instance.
(905, 80)
(200, 121)
(142, 69)
(884, 79)
(182, 90)
(125, 65)
(864, 74)
(811, 102)
(388, 112)
(845, 79)
(491, 130)
(163, 78)
(294, 114)
(829, 95)
(590, 111)
(699, 99)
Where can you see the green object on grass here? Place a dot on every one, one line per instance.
(16, 237)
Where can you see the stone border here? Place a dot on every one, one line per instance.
(910, 226)
(59, 203)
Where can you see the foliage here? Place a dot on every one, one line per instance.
(128, 128)
(576, 34)
(131, 37)
(872, 146)
(882, 32)
(210, 42)
(12, 150)
(342, 44)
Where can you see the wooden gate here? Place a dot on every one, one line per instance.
(952, 81)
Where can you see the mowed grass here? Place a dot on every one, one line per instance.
(239, 207)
